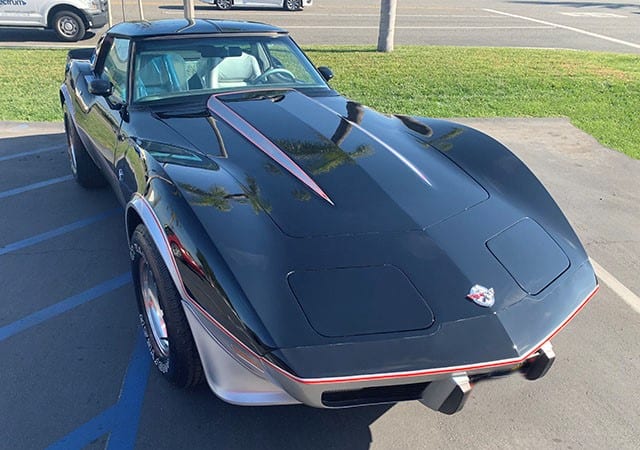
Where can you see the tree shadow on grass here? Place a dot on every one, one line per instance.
(37, 35)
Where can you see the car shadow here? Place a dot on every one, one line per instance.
(36, 35)
(207, 422)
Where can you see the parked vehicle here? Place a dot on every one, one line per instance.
(289, 5)
(293, 246)
(70, 19)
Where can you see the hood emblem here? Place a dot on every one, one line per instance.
(482, 296)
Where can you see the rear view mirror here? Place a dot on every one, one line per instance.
(102, 88)
(326, 73)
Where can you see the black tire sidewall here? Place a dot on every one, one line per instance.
(87, 173)
(182, 365)
(81, 29)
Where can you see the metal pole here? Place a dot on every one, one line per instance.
(140, 10)
(109, 13)
(386, 32)
(189, 10)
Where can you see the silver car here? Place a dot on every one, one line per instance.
(290, 5)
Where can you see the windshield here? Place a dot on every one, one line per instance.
(175, 67)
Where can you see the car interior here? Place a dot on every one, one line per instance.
(161, 72)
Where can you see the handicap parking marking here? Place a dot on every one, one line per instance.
(56, 232)
(122, 419)
(63, 306)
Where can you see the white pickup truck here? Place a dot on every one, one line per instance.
(68, 18)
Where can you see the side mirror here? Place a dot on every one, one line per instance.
(326, 73)
(102, 88)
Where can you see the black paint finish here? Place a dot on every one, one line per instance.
(381, 275)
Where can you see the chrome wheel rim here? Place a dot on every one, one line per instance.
(153, 312)
(71, 150)
(68, 26)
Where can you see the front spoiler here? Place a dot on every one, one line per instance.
(445, 393)
(238, 378)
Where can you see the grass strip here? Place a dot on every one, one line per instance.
(599, 92)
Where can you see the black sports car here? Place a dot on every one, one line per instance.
(292, 246)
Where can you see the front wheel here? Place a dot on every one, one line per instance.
(293, 5)
(224, 4)
(165, 325)
(68, 26)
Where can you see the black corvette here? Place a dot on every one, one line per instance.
(291, 246)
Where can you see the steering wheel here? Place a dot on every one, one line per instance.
(284, 73)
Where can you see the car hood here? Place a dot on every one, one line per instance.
(319, 171)
(322, 208)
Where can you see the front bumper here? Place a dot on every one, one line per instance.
(240, 377)
(96, 20)
(445, 393)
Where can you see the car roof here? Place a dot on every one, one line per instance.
(190, 27)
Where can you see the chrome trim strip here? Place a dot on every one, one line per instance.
(151, 222)
(258, 139)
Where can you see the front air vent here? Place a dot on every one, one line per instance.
(373, 395)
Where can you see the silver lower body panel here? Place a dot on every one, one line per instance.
(239, 381)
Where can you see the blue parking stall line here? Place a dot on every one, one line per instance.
(56, 232)
(123, 418)
(31, 187)
(89, 432)
(63, 306)
(131, 398)
(32, 152)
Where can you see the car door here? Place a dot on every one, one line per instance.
(104, 118)
(21, 12)
(276, 3)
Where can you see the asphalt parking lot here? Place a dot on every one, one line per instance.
(75, 371)
(582, 25)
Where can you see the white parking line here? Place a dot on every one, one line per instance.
(564, 27)
(616, 286)
(371, 27)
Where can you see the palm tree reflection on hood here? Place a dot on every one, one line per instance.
(218, 197)
(322, 155)
(316, 156)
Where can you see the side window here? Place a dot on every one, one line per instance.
(116, 65)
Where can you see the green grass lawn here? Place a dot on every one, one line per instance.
(599, 92)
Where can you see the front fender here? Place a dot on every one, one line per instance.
(199, 272)
(502, 174)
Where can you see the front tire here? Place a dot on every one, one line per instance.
(224, 4)
(84, 170)
(293, 5)
(165, 325)
(68, 26)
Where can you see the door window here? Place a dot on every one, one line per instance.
(116, 67)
